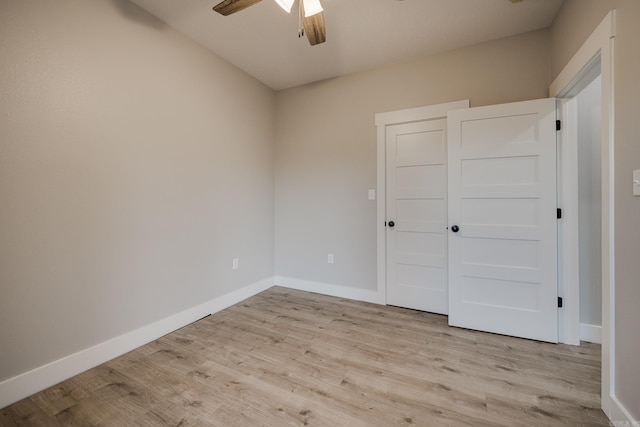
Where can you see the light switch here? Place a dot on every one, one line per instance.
(372, 194)
(636, 182)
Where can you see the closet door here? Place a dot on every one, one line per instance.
(416, 183)
(502, 238)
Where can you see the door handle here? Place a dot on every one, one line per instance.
(391, 224)
(455, 228)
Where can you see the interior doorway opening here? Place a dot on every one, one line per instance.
(589, 111)
(594, 58)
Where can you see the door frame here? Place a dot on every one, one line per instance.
(596, 54)
(382, 120)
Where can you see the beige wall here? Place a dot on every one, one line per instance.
(326, 147)
(575, 21)
(129, 176)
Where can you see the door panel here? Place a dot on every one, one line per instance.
(417, 204)
(502, 195)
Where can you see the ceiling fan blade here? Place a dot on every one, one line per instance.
(227, 7)
(314, 26)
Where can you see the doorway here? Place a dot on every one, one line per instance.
(588, 104)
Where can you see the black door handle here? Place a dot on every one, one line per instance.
(391, 224)
(455, 228)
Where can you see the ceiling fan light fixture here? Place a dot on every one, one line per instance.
(286, 5)
(311, 7)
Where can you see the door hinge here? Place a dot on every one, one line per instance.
(558, 213)
(558, 125)
(560, 302)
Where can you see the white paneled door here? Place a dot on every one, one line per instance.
(502, 218)
(416, 156)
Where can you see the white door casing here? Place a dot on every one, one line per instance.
(417, 215)
(502, 196)
(598, 51)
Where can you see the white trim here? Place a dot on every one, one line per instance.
(571, 79)
(591, 333)
(28, 383)
(620, 416)
(381, 210)
(600, 47)
(357, 294)
(429, 112)
(382, 120)
(568, 243)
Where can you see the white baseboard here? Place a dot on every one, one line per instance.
(357, 294)
(620, 416)
(28, 383)
(591, 333)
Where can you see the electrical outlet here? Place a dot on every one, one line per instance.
(235, 263)
(330, 258)
(372, 194)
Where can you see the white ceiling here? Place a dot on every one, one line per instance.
(361, 34)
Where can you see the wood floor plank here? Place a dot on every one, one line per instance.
(26, 413)
(292, 358)
(58, 398)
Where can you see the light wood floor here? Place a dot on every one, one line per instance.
(293, 358)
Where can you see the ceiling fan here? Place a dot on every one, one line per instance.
(310, 13)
